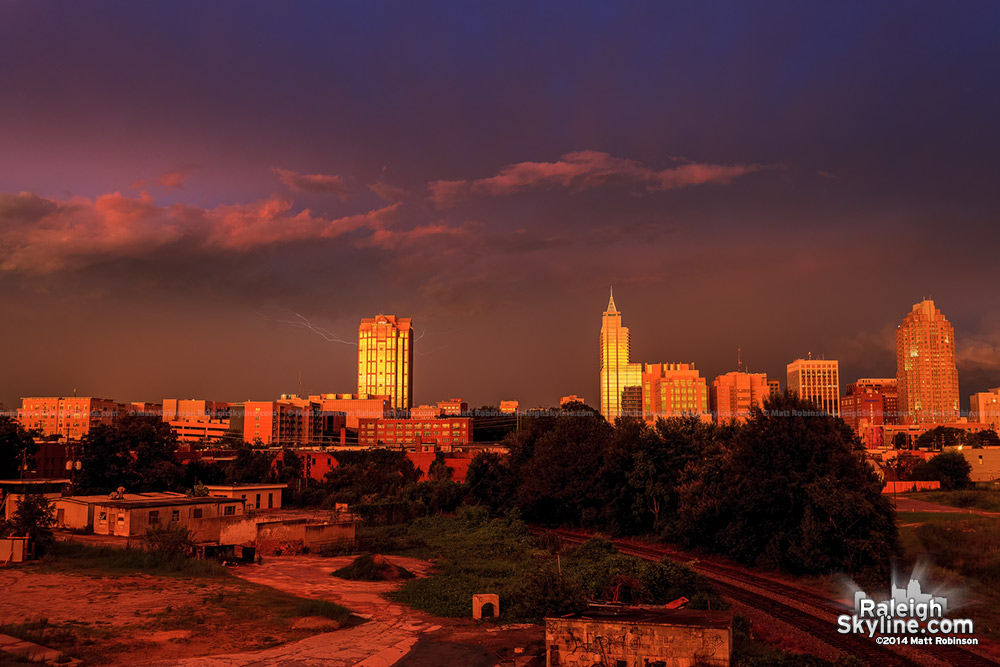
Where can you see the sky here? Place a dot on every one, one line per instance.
(204, 199)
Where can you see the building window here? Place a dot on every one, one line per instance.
(175, 515)
(154, 517)
(229, 510)
(197, 512)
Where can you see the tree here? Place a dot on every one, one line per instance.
(950, 468)
(941, 437)
(790, 491)
(559, 483)
(17, 447)
(438, 469)
(251, 466)
(986, 438)
(901, 441)
(33, 518)
(489, 481)
(136, 453)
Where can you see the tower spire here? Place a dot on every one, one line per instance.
(611, 302)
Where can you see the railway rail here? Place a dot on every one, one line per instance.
(808, 612)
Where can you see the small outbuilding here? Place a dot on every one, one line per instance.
(257, 496)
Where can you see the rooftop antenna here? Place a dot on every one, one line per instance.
(300, 383)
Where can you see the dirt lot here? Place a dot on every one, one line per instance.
(133, 619)
(231, 620)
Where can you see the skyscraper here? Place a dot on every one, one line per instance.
(385, 359)
(816, 380)
(925, 367)
(617, 373)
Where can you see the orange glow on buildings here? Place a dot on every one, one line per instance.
(509, 407)
(196, 420)
(283, 423)
(69, 417)
(673, 390)
(385, 359)
(572, 398)
(870, 402)
(399, 433)
(925, 367)
(617, 372)
(985, 408)
(353, 406)
(735, 394)
(816, 380)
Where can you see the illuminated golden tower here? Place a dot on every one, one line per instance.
(385, 359)
(617, 374)
(925, 367)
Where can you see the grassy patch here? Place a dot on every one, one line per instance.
(110, 560)
(984, 499)
(964, 551)
(477, 554)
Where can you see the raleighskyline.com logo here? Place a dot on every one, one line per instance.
(909, 616)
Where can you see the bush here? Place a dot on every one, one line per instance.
(372, 568)
(543, 592)
(169, 541)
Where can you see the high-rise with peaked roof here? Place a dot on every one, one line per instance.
(926, 375)
(385, 359)
(617, 372)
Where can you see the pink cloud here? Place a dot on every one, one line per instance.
(315, 183)
(175, 178)
(389, 193)
(386, 237)
(584, 170)
(39, 235)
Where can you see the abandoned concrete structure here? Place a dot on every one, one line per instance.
(613, 636)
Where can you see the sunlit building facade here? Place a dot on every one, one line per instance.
(352, 406)
(925, 367)
(673, 390)
(816, 380)
(617, 372)
(71, 417)
(735, 394)
(385, 359)
(985, 408)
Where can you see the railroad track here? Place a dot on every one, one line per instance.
(738, 584)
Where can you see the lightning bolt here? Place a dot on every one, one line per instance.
(302, 322)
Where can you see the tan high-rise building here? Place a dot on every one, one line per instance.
(816, 380)
(925, 367)
(985, 408)
(385, 359)
(617, 373)
(735, 394)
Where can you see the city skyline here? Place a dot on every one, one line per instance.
(200, 203)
